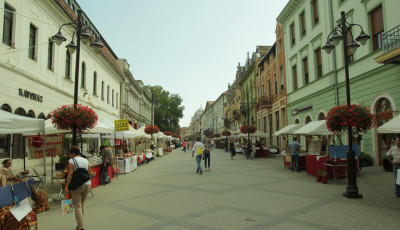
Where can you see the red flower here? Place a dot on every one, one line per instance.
(151, 129)
(225, 133)
(248, 129)
(358, 117)
(67, 116)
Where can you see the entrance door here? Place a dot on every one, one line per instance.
(383, 115)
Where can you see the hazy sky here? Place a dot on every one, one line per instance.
(189, 47)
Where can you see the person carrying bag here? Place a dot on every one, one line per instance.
(78, 181)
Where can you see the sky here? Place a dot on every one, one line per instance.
(189, 47)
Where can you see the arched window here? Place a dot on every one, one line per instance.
(20, 111)
(383, 114)
(321, 116)
(42, 116)
(308, 120)
(6, 107)
(30, 114)
(297, 121)
(95, 83)
(68, 65)
(83, 74)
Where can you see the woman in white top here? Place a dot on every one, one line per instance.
(79, 194)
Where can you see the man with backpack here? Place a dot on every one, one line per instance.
(198, 148)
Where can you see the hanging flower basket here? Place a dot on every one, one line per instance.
(37, 141)
(151, 129)
(83, 117)
(217, 135)
(225, 133)
(167, 133)
(357, 116)
(175, 135)
(248, 129)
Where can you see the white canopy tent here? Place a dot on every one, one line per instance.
(289, 129)
(15, 124)
(392, 126)
(314, 128)
(259, 133)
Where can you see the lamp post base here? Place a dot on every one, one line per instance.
(352, 192)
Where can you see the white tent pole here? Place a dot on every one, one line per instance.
(44, 160)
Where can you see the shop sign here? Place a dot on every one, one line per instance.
(33, 96)
(121, 125)
(302, 109)
(54, 146)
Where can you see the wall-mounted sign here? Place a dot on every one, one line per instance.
(301, 110)
(33, 96)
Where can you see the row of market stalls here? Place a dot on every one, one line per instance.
(130, 148)
(322, 150)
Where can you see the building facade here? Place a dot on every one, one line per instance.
(316, 80)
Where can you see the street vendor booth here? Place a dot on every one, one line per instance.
(286, 131)
(321, 158)
(260, 150)
(390, 127)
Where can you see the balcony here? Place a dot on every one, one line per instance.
(390, 47)
(264, 101)
(236, 114)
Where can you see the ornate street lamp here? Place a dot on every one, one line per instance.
(242, 104)
(340, 33)
(81, 36)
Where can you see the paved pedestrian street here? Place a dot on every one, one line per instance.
(242, 193)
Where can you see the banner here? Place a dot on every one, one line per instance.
(54, 147)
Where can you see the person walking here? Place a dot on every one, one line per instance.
(232, 149)
(184, 146)
(394, 153)
(106, 162)
(294, 147)
(207, 151)
(79, 194)
(198, 147)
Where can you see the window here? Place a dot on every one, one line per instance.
(349, 37)
(32, 42)
(303, 24)
(95, 83)
(305, 66)
(116, 98)
(282, 78)
(108, 94)
(112, 98)
(8, 25)
(265, 124)
(377, 27)
(83, 75)
(50, 55)
(263, 90)
(319, 63)
(293, 39)
(277, 122)
(102, 90)
(294, 77)
(269, 88)
(276, 84)
(262, 67)
(68, 65)
(315, 11)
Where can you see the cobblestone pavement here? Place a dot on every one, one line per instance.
(236, 194)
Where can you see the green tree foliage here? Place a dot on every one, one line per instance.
(167, 109)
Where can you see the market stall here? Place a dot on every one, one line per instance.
(128, 163)
(286, 131)
(260, 150)
(392, 126)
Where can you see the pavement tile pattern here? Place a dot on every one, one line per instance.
(260, 193)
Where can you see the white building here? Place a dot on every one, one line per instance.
(38, 76)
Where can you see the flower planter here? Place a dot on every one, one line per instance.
(324, 180)
(318, 178)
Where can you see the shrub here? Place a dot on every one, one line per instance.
(366, 160)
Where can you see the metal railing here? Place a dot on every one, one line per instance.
(391, 39)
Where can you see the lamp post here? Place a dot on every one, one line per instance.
(81, 35)
(341, 32)
(248, 122)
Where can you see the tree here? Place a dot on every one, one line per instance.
(167, 109)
